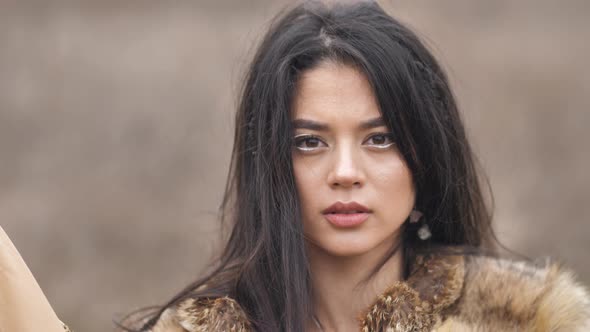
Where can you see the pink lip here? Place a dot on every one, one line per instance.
(346, 214)
(346, 207)
(346, 219)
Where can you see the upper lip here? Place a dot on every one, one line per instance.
(340, 207)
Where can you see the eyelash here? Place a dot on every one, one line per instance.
(304, 138)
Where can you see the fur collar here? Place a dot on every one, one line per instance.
(443, 293)
(416, 303)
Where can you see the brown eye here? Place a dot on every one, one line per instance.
(381, 140)
(308, 143)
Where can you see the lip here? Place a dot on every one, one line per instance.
(345, 215)
(340, 207)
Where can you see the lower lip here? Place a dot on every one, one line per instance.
(346, 219)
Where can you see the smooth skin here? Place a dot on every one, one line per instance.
(337, 158)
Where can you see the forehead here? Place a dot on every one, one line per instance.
(334, 92)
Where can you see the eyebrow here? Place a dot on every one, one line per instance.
(320, 126)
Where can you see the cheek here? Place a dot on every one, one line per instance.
(392, 180)
(393, 176)
(387, 176)
(306, 179)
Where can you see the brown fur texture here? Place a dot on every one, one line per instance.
(201, 315)
(443, 293)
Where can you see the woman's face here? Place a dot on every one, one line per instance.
(343, 152)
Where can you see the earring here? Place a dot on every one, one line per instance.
(424, 231)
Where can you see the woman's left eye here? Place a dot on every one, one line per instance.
(381, 140)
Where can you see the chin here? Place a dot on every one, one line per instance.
(346, 247)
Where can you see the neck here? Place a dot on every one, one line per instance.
(340, 293)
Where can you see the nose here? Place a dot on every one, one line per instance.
(346, 170)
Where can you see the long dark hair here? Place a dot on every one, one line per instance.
(264, 265)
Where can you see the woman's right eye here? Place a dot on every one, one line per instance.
(308, 142)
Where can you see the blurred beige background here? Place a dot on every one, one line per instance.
(116, 125)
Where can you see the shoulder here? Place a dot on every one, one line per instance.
(199, 315)
(501, 294)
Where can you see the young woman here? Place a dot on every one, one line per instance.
(354, 199)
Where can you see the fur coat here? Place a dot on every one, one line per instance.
(443, 293)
